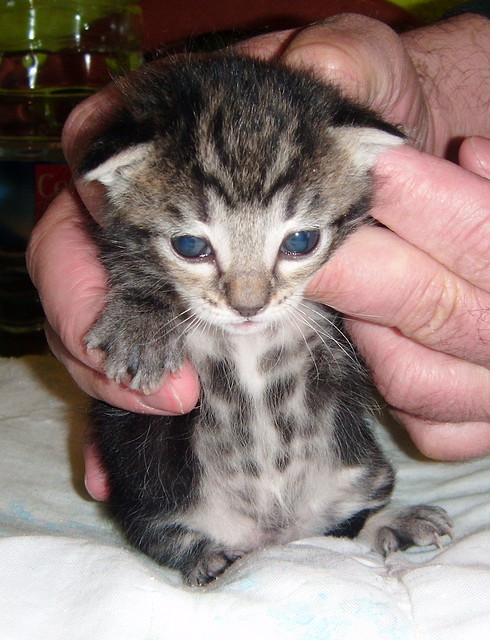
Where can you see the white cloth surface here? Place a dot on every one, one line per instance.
(65, 571)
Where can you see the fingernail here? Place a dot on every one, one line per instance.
(175, 395)
(101, 496)
(172, 400)
(481, 149)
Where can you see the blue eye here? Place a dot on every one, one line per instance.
(300, 243)
(191, 247)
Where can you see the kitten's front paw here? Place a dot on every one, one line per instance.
(209, 566)
(421, 525)
(135, 353)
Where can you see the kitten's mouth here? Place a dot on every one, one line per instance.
(246, 326)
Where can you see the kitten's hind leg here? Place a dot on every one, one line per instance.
(199, 559)
(209, 566)
(394, 529)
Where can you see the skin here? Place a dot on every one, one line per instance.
(415, 293)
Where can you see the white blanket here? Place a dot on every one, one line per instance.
(65, 572)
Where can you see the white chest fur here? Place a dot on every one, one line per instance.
(268, 488)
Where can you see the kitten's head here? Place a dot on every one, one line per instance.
(243, 177)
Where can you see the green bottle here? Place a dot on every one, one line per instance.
(53, 54)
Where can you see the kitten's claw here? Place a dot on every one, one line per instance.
(132, 358)
(210, 566)
(421, 525)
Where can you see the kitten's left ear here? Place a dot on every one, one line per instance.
(365, 144)
(114, 172)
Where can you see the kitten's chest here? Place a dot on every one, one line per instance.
(252, 405)
(254, 427)
(249, 370)
(262, 444)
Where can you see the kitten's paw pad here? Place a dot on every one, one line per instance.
(210, 566)
(421, 525)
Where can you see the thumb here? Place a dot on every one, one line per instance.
(363, 56)
(84, 123)
(355, 53)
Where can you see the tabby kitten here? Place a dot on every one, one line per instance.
(229, 182)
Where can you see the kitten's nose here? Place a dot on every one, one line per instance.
(248, 291)
(247, 312)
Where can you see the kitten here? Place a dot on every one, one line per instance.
(229, 183)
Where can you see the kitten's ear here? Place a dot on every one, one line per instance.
(114, 172)
(365, 144)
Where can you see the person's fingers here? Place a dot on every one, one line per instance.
(474, 155)
(439, 215)
(346, 49)
(365, 58)
(378, 277)
(447, 441)
(96, 479)
(420, 381)
(437, 206)
(352, 51)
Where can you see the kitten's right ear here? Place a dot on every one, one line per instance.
(117, 151)
(365, 144)
(114, 172)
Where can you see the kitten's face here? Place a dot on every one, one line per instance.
(243, 198)
(240, 264)
(245, 267)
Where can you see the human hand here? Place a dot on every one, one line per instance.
(434, 81)
(416, 292)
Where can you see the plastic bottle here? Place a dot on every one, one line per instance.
(53, 54)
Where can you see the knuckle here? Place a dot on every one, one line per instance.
(357, 24)
(337, 48)
(439, 311)
(451, 316)
(403, 384)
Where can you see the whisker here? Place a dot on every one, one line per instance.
(294, 321)
(192, 324)
(186, 315)
(351, 354)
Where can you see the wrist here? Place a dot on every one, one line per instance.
(451, 59)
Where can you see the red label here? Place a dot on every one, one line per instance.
(50, 180)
